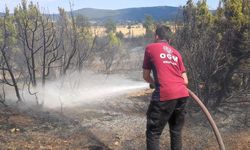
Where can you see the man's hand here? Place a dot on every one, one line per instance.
(184, 76)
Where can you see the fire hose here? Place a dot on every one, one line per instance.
(208, 115)
(210, 119)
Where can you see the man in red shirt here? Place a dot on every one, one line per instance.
(170, 94)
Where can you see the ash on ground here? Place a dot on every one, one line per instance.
(117, 123)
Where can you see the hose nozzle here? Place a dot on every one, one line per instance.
(152, 86)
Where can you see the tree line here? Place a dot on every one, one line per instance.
(216, 48)
(34, 47)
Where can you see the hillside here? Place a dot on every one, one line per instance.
(160, 13)
(130, 14)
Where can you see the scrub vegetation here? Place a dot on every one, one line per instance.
(36, 50)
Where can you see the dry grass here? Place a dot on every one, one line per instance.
(132, 31)
(136, 30)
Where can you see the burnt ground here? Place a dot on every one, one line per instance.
(112, 124)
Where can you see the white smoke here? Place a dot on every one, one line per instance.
(88, 87)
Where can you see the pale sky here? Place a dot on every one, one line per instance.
(51, 6)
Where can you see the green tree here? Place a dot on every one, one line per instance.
(69, 40)
(28, 23)
(110, 46)
(149, 25)
(197, 42)
(110, 26)
(218, 43)
(7, 44)
(204, 16)
(235, 43)
(87, 40)
(50, 47)
(77, 40)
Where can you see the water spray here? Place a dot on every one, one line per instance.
(210, 119)
(77, 89)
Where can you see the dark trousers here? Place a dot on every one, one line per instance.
(158, 115)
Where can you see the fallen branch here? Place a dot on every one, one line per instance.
(235, 102)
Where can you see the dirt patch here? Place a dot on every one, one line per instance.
(116, 124)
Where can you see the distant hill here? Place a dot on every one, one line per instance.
(160, 13)
(163, 13)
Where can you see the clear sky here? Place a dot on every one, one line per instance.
(51, 6)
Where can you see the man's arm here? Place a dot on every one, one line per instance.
(147, 77)
(184, 76)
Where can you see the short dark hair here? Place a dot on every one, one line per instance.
(163, 32)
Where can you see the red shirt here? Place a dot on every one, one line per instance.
(167, 66)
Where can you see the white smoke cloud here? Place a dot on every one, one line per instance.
(79, 89)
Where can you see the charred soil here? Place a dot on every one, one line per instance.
(112, 124)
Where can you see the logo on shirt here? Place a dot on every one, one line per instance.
(171, 58)
(167, 49)
(168, 56)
